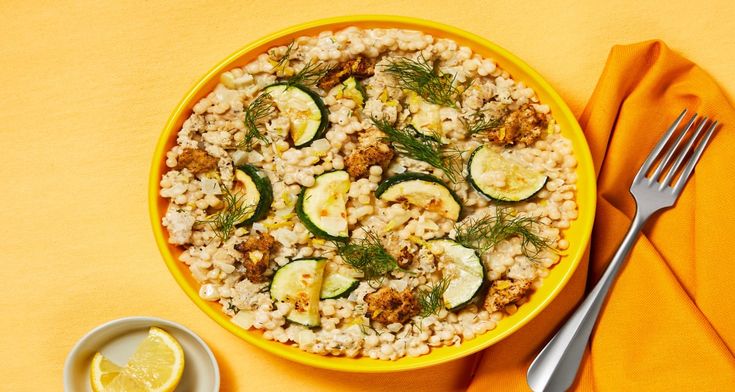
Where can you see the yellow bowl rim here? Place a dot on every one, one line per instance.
(585, 219)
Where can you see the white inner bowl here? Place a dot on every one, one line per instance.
(118, 339)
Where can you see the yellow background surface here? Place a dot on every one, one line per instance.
(87, 89)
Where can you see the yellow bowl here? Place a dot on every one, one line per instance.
(578, 234)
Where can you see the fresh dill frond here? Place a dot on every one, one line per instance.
(283, 59)
(309, 75)
(426, 149)
(431, 298)
(480, 122)
(223, 222)
(484, 233)
(467, 84)
(231, 307)
(258, 110)
(366, 329)
(367, 255)
(425, 79)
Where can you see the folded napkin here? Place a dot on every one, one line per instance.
(670, 321)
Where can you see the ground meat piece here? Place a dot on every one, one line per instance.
(359, 162)
(523, 125)
(404, 257)
(359, 67)
(504, 292)
(197, 161)
(402, 251)
(389, 306)
(256, 255)
(371, 150)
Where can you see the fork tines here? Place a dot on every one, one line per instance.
(663, 173)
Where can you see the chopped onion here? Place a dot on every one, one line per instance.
(244, 318)
(254, 156)
(210, 186)
(239, 157)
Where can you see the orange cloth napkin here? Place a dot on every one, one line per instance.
(670, 321)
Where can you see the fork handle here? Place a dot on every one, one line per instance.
(555, 368)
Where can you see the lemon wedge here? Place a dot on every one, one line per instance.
(156, 366)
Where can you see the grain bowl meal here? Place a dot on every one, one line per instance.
(370, 193)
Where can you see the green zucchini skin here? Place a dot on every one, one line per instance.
(324, 123)
(314, 229)
(359, 87)
(409, 176)
(345, 293)
(263, 185)
(495, 198)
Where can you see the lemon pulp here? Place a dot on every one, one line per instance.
(156, 366)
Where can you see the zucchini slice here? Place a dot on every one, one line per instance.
(323, 207)
(501, 178)
(422, 190)
(337, 285)
(299, 283)
(255, 190)
(352, 89)
(463, 269)
(305, 110)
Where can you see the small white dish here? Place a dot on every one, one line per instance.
(119, 338)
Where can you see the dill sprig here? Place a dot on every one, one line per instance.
(309, 75)
(484, 233)
(281, 61)
(480, 122)
(431, 298)
(258, 110)
(231, 307)
(223, 222)
(366, 329)
(426, 149)
(425, 79)
(367, 255)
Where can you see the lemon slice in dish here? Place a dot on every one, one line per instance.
(156, 366)
(102, 372)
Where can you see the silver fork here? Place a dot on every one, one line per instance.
(555, 368)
